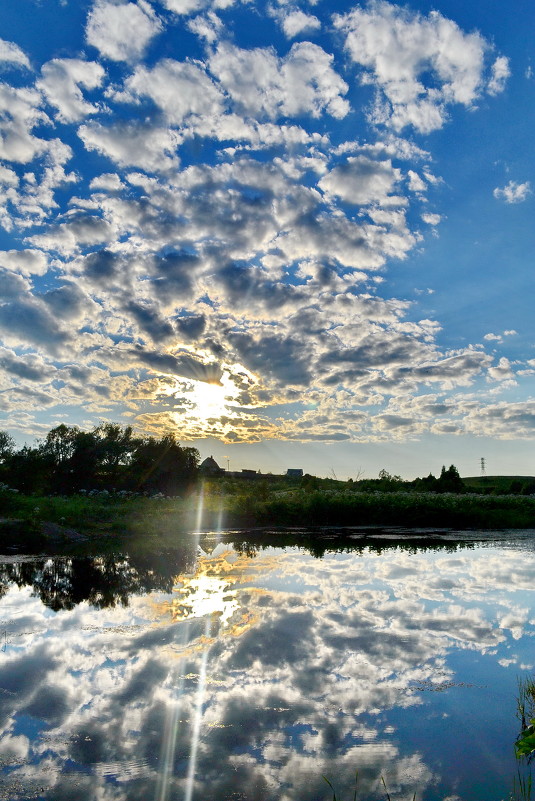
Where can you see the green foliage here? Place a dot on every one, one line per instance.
(525, 744)
(500, 485)
(7, 445)
(109, 457)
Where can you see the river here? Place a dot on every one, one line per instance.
(222, 668)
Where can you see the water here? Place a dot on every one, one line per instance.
(216, 671)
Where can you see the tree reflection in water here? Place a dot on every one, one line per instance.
(103, 581)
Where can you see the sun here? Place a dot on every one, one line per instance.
(212, 400)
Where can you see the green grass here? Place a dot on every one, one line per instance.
(493, 483)
(255, 506)
(394, 509)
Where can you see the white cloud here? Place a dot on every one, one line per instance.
(297, 22)
(25, 262)
(20, 113)
(10, 53)
(148, 147)
(184, 6)
(108, 181)
(264, 85)
(513, 192)
(121, 31)
(180, 89)
(416, 183)
(502, 372)
(431, 219)
(361, 180)
(398, 49)
(499, 76)
(61, 81)
(207, 26)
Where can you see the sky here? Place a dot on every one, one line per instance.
(295, 234)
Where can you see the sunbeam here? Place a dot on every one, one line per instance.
(197, 720)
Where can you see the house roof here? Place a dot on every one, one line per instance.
(209, 463)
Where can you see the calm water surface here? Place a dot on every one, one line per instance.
(219, 670)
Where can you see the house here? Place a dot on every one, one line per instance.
(294, 472)
(210, 467)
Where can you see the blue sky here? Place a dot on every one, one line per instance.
(295, 234)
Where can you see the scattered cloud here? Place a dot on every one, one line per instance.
(61, 81)
(361, 635)
(222, 219)
(419, 64)
(499, 75)
(10, 53)
(513, 192)
(297, 22)
(121, 31)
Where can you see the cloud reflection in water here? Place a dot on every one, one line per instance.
(253, 676)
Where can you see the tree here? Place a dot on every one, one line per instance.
(7, 445)
(115, 449)
(62, 450)
(29, 470)
(450, 480)
(162, 465)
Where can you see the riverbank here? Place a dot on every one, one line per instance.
(109, 515)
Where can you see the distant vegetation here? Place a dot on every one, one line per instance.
(107, 479)
(69, 460)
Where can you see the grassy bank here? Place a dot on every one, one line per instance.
(114, 515)
(394, 509)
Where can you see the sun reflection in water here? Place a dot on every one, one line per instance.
(208, 594)
(197, 719)
(205, 595)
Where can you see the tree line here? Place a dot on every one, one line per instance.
(109, 457)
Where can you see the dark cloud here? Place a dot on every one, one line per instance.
(12, 285)
(150, 321)
(173, 275)
(32, 322)
(101, 266)
(182, 365)
(286, 639)
(282, 359)
(66, 302)
(390, 421)
(192, 327)
(26, 368)
(246, 285)
(376, 351)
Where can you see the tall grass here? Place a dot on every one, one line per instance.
(293, 507)
(387, 794)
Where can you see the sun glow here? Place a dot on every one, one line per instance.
(212, 400)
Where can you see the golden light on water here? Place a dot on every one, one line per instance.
(219, 591)
(205, 595)
(212, 592)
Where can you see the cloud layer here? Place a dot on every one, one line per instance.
(279, 666)
(203, 235)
